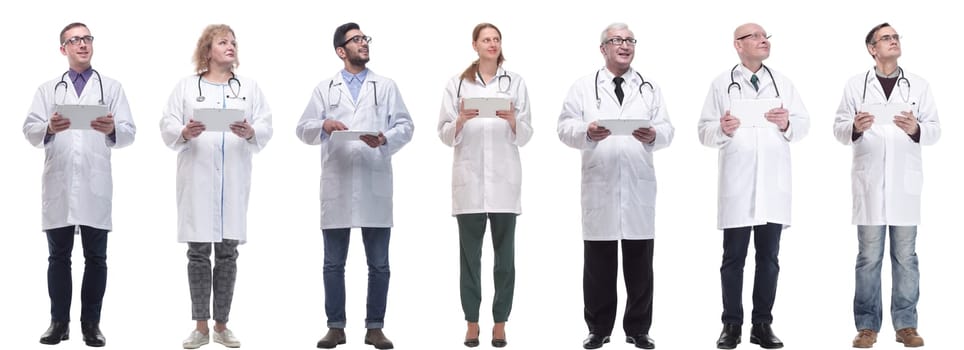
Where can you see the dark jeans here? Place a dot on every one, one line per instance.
(766, 242)
(600, 267)
(60, 243)
(376, 241)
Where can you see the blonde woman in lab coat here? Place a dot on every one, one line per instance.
(486, 175)
(887, 180)
(214, 175)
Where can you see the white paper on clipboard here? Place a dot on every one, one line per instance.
(885, 111)
(486, 105)
(81, 115)
(752, 112)
(623, 126)
(217, 119)
(340, 136)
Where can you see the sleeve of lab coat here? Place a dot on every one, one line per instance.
(843, 124)
(448, 114)
(400, 128)
(930, 126)
(310, 129)
(173, 119)
(124, 128)
(664, 128)
(710, 132)
(260, 121)
(799, 118)
(523, 118)
(35, 125)
(571, 126)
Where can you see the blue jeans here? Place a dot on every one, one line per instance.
(336, 253)
(906, 278)
(60, 242)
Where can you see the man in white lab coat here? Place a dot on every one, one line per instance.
(77, 185)
(754, 177)
(887, 181)
(356, 176)
(618, 186)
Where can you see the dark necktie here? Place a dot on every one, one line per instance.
(756, 82)
(619, 88)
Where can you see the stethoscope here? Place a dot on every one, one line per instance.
(643, 82)
(232, 79)
(63, 81)
(334, 103)
(740, 88)
(900, 87)
(500, 78)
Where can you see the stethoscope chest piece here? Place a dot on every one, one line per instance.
(200, 98)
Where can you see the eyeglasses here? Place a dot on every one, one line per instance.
(75, 40)
(888, 38)
(755, 36)
(358, 39)
(619, 41)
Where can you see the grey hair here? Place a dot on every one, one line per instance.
(614, 26)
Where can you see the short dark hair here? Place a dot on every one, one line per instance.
(69, 27)
(339, 39)
(873, 32)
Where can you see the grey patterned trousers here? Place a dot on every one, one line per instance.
(200, 278)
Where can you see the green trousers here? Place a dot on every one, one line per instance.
(471, 234)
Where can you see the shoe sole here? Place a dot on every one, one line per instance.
(605, 340)
(380, 348)
(340, 342)
(911, 345)
(187, 346)
(755, 340)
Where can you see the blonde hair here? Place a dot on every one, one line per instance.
(204, 46)
(469, 73)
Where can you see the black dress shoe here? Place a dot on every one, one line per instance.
(762, 334)
(92, 335)
(642, 341)
(55, 333)
(594, 341)
(334, 337)
(729, 337)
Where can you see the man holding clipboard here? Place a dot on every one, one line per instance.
(751, 115)
(77, 184)
(887, 181)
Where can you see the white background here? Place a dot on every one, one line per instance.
(287, 48)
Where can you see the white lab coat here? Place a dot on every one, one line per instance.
(356, 180)
(486, 170)
(77, 182)
(618, 174)
(214, 169)
(754, 165)
(887, 169)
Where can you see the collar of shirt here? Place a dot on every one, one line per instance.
(894, 74)
(80, 79)
(354, 81)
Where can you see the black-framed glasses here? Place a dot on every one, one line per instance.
(755, 36)
(358, 39)
(75, 40)
(619, 41)
(888, 38)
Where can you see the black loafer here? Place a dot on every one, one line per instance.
(762, 335)
(642, 341)
(729, 337)
(55, 333)
(594, 341)
(92, 335)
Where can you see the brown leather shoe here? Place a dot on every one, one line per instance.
(865, 339)
(909, 337)
(334, 337)
(377, 338)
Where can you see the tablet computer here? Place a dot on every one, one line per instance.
(81, 115)
(340, 136)
(752, 113)
(217, 119)
(486, 105)
(624, 126)
(885, 111)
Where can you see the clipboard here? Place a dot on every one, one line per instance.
(341, 136)
(752, 113)
(81, 115)
(885, 111)
(624, 126)
(486, 105)
(217, 119)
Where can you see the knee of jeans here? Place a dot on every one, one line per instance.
(333, 267)
(379, 267)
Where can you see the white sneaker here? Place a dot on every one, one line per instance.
(226, 338)
(195, 340)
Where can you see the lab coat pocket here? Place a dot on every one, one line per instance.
(913, 182)
(382, 181)
(330, 186)
(100, 184)
(53, 185)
